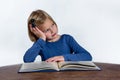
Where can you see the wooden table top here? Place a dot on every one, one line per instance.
(108, 72)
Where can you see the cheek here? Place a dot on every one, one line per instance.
(47, 34)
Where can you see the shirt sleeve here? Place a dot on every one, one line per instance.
(34, 51)
(78, 52)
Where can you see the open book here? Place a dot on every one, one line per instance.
(58, 66)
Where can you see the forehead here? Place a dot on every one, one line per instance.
(46, 24)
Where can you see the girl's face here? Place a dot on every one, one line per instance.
(49, 29)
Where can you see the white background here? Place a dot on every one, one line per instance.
(95, 24)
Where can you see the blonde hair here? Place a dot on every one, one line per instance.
(39, 16)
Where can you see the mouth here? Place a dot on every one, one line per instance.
(53, 34)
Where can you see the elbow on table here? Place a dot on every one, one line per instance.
(89, 58)
(27, 60)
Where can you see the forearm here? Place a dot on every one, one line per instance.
(30, 55)
(78, 53)
(34, 51)
(78, 57)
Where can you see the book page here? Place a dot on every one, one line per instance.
(36, 66)
(78, 65)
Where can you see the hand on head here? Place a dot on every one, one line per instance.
(37, 32)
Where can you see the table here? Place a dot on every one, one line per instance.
(108, 72)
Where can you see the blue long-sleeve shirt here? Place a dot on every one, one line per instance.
(66, 46)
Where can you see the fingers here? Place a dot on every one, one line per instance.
(53, 59)
(50, 60)
(33, 30)
(56, 59)
(37, 32)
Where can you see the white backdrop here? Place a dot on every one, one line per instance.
(95, 24)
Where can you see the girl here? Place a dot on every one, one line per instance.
(51, 46)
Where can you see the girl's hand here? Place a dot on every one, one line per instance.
(38, 32)
(56, 59)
